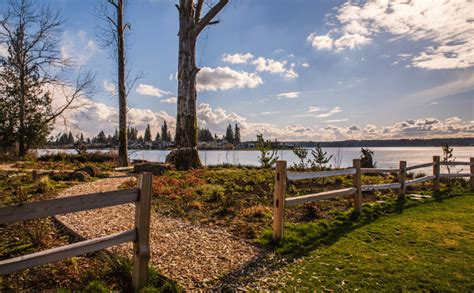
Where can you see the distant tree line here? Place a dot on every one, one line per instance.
(68, 140)
(232, 135)
(435, 142)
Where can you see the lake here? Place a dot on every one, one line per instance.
(386, 157)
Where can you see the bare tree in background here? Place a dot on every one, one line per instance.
(113, 37)
(32, 73)
(191, 24)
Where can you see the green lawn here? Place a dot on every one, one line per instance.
(427, 247)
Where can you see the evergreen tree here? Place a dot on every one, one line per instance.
(164, 132)
(236, 134)
(205, 134)
(157, 137)
(170, 138)
(320, 158)
(229, 135)
(101, 138)
(115, 139)
(147, 136)
(70, 138)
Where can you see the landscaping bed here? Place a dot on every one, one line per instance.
(240, 199)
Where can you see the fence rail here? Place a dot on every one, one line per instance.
(420, 180)
(139, 235)
(312, 175)
(291, 201)
(281, 177)
(379, 170)
(426, 165)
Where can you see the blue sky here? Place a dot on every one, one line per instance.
(312, 70)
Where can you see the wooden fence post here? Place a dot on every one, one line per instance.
(141, 246)
(358, 185)
(436, 172)
(472, 173)
(279, 200)
(402, 178)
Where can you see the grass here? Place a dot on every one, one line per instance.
(428, 247)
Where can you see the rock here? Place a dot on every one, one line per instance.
(79, 175)
(90, 170)
(156, 168)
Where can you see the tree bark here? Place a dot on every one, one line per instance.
(185, 156)
(123, 140)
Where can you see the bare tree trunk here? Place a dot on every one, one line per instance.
(185, 156)
(123, 140)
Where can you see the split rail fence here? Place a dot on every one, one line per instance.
(140, 235)
(280, 201)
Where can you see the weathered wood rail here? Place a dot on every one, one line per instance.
(140, 235)
(355, 192)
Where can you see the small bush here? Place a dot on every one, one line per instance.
(258, 211)
(42, 185)
(195, 205)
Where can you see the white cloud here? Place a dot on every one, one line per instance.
(95, 116)
(149, 90)
(330, 113)
(78, 47)
(270, 112)
(171, 100)
(224, 78)
(238, 58)
(275, 67)
(305, 64)
(288, 95)
(335, 120)
(463, 83)
(109, 87)
(323, 42)
(313, 109)
(3, 51)
(442, 30)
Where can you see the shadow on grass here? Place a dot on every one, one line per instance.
(301, 239)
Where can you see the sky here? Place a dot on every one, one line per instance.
(290, 69)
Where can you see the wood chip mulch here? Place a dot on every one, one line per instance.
(195, 256)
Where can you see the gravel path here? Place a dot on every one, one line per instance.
(193, 255)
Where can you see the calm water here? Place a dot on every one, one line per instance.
(386, 157)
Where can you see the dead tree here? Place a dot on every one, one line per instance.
(191, 24)
(113, 37)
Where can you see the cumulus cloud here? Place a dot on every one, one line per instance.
(109, 87)
(95, 116)
(323, 42)
(224, 78)
(237, 58)
(443, 30)
(78, 47)
(149, 90)
(275, 67)
(305, 64)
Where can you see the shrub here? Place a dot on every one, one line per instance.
(258, 211)
(42, 185)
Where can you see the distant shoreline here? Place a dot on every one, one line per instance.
(288, 145)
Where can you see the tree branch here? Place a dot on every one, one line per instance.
(209, 16)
